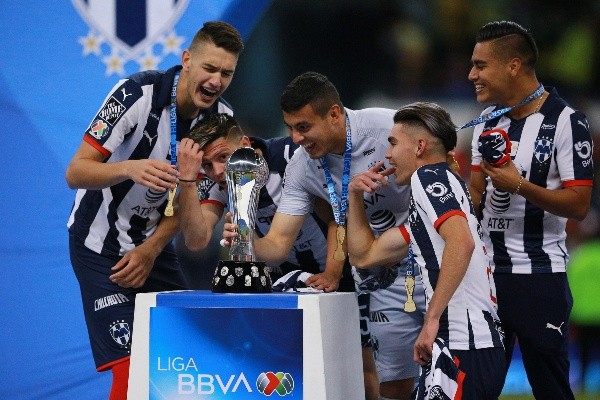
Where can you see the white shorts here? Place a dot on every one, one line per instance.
(393, 330)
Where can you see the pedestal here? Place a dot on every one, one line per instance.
(199, 344)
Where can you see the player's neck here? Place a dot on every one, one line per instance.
(522, 93)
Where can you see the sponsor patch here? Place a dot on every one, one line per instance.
(111, 111)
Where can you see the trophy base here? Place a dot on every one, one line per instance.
(241, 277)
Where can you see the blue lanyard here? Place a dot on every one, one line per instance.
(173, 116)
(340, 205)
(496, 113)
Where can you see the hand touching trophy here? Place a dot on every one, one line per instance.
(246, 173)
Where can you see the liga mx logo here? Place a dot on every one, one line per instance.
(138, 31)
(268, 383)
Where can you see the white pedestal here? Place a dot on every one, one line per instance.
(332, 358)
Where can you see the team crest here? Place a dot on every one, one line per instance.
(123, 32)
(543, 150)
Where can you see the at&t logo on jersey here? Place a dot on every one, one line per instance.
(280, 382)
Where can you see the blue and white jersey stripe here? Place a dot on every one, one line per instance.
(470, 321)
(553, 149)
(133, 123)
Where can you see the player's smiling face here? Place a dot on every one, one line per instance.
(401, 153)
(318, 135)
(490, 75)
(210, 71)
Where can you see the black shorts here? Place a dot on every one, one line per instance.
(484, 372)
(108, 308)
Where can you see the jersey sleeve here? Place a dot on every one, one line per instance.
(574, 147)
(295, 198)
(210, 192)
(434, 194)
(116, 118)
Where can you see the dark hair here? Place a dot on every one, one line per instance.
(310, 88)
(510, 39)
(213, 127)
(221, 34)
(433, 118)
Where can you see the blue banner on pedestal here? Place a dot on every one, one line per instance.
(225, 353)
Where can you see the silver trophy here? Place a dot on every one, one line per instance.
(246, 173)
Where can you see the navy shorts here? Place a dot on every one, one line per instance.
(535, 309)
(484, 372)
(108, 307)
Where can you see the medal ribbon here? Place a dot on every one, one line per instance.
(496, 113)
(173, 118)
(340, 205)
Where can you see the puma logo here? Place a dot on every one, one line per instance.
(150, 138)
(125, 94)
(550, 326)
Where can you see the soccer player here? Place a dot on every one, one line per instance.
(445, 244)
(337, 143)
(119, 238)
(525, 203)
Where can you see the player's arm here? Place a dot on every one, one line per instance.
(87, 170)
(458, 250)
(569, 202)
(275, 246)
(198, 220)
(364, 249)
(329, 279)
(135, 266)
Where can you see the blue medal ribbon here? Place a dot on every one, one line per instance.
(340, 205)
(173, 118)
(496, 113)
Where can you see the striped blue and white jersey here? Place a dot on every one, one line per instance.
(133, 123)
(553, 149)
(310, 249)
(470, 321)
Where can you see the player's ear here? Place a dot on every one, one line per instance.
(245, 141)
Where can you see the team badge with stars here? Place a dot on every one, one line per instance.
(120, 332)
(122, 32)
(543, 149)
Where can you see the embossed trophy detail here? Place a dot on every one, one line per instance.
(246, 173)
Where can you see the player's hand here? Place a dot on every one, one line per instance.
(189, 159)
(229, 231)
(155, 174)
(133, 269)
(325, 281)
(370, 180)
(505, 177)
(424, 344)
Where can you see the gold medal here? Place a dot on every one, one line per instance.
(409, 284)
(339, 254)
(169, 209)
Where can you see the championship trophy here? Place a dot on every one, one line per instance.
(246, 173)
